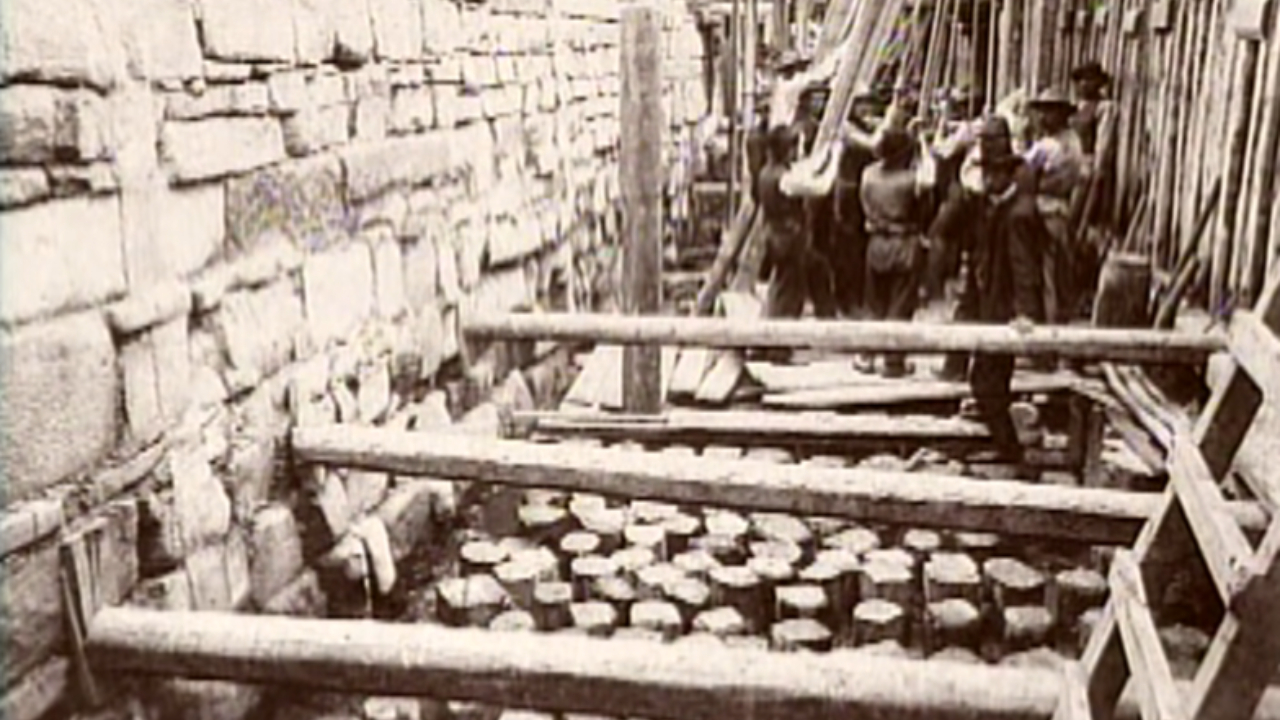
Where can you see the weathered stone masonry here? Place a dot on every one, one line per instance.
(221, 218)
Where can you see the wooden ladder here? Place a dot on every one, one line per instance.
(1245, 652)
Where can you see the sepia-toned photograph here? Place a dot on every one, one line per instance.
(640, 359)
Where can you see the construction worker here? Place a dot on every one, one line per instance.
(892, 205)
(819, 210)
(1000, 229)
(784, 226)
(1057, 160)
(1089, 84)
(849, 232)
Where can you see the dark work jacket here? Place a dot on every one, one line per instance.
(848, 204)
(781, 214)
(1003, 239)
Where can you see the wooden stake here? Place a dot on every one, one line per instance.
(641, 174)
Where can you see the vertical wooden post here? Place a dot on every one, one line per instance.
(641, 171)
(781, 25)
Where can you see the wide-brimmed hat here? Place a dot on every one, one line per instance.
(791, 60)
(995, 143)
(1091, 72)
(1051, 100)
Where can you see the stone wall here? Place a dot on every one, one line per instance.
(223, 218)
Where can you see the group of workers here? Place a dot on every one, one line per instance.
(990, 202)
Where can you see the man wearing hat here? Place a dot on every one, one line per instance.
(1057, 160)
(891, 204)
(999, 228)
(1089, 84)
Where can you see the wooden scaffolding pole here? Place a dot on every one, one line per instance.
(915, 499)
(1121, 345)
(567, 673)
(641, 172)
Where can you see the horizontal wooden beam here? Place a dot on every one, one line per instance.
(565, 673)
(850, 336)
(921, 499)
(745, 427)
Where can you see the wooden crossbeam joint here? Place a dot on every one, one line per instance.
(1222, 543)
(1158, 696)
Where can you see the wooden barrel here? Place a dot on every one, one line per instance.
(1123, 289)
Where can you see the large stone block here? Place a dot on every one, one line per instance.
(30, 610)
(441, 27)
(314, 34)
(160, 39)
(248, 30)
(243, 99)
(217, 147)
(190, 226)
(203, 511)
(388, 273)
(339, 291)
(374, 167)
(397, 29)
(353, 30)
(277, 552)
(59, 42)
(40, 123)
(372, 118)
(412, 110)
(256, 329)
(313, 129)
(23, 186)
(61, 401)
(303, 199)
(59, 255)
(420, 272)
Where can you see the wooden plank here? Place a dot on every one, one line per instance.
(810, 376)
(1010, 507)
(1256, 349)
(901, 392)
(720, 382)
(37, 692)
(26, 523)
(1158, 696)
(690, 368)
(589, 388)
(1126, 345)
(1245, 651)
(1073, 702)
(567, 673)
(640, 175)
(1222, 543)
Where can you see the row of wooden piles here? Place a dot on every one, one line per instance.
(1197, 87)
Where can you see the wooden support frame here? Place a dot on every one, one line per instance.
(569, 673)
(1089, 515)
(1121, 345)
(1190, 521)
